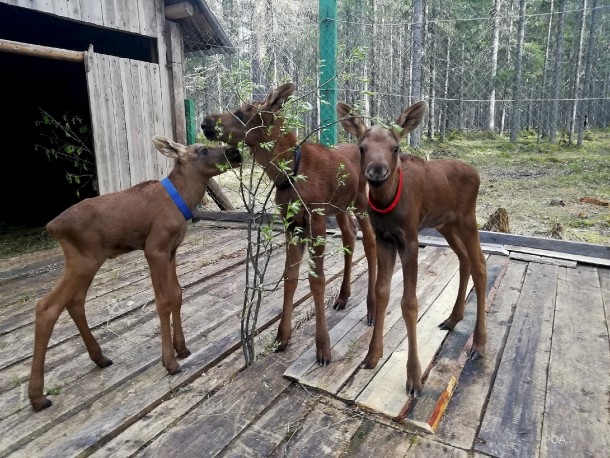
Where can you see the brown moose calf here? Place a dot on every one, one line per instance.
(407, 194)
(150, 216)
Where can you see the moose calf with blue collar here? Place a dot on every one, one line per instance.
(406, 194)
(150, 216)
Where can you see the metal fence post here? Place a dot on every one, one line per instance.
(328, 71)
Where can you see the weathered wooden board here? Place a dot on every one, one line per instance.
(324, 433)
(427, 410)
(462, 417)
(386, 392)
(351, 337)
(512, 424)
(604, 282)
(599, 261)
(171, 411)
(579, 370)
(542, 259)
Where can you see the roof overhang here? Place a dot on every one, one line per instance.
(202, 33)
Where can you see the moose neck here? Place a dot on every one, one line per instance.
(386, 197)
(282, 148)
(189, 184)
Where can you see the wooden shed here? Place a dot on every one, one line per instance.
(116, 66)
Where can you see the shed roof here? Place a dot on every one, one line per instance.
(203, 34)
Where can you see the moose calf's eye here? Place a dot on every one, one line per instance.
(396, 149)
(361, 150)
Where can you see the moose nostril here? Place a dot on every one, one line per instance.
(203, 125)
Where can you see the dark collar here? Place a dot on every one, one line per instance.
(284, 181)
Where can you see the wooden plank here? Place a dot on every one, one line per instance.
(604, 281)
(131, 278)
(219, 338)
(555, 254)
(185, 400)
(18, 345)
(148, 21)
(175, 56)
(98, 112)
(386, 393)
(140, 148)
(91, 12)
(462, 418)
(427, 410)
(512, 424)
(353, 347)
(341, 337)
(275, 426)
(325, 431)
(150, 153)
(576, 388)
(118, 128)
(109, 14)
(375, 439)
(424, 446)
(425, 240)
(161, 162)
(542, 259)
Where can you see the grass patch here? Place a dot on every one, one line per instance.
(16, 240)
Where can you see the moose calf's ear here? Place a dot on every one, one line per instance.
(276, 99)
(351, 124)
(411, 117)
(168, 147)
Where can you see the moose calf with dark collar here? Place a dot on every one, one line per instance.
(406, 194)
(150, 216)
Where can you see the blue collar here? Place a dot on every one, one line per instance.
(177, 198)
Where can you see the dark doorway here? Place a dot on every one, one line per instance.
(34, 188)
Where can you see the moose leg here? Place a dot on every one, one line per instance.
(176, 303)
(409, 307)
(368, 240)
(349, 242)
(386, 259)
(294, 255)
(69, 291)
(77, 311)
(457, 314)
(317, 284)
(479, 277)
(159, 263)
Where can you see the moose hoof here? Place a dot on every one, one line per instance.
(104, 362)
(370, 320)
(323, 361)
(340, 304)
(445, 326)
(413, 388)
(183, 353)
(41, 404)
(280, 346)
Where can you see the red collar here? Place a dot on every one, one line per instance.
(396, 198)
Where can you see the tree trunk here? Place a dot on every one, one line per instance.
(418, 23)
(516, 106)
(491, 117)
(432, 94)
(444, 117)
(586, 79)
(543, 125)
(557, 75)
(579, 40)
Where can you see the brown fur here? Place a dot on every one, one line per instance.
(143, 217)
(257, 123)
(440, 194)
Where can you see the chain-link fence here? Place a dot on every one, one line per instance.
(483, 66)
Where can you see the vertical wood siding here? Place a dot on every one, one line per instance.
(136, 16)
(128, 106)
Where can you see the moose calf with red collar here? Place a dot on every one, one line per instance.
(144, 217)
(406, 194)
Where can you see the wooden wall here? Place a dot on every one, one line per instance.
(136, 16)
(130, 100)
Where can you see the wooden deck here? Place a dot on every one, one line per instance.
(542, 389)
